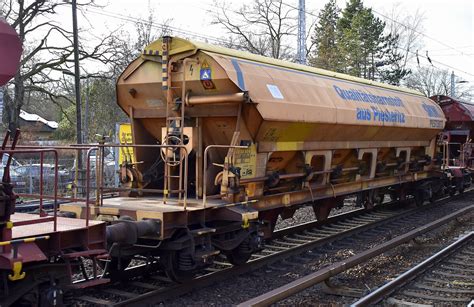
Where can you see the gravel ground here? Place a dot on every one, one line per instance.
(386, 266)
(460, 263)
(306, 214)
(377, 271)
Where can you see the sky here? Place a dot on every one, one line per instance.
(448, 25)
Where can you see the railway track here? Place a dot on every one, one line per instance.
(289, 242)
(325, 273)
(447, 277)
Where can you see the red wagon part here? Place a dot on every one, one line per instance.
(459, 114)
(459, 126)
(10, 52)
(41, 253)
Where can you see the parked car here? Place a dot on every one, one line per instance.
(109, 167)
(31, 174)
(18, 181)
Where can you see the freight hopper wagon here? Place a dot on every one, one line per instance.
(230, 141)
(459, 131)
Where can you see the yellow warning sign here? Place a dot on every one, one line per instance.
(205, 64)
(125, 137)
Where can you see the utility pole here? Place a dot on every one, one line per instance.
(86, 112)
(453, 91)
(301, 52)
(77, 76)
(77, 81)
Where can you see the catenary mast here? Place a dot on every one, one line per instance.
(301, 52)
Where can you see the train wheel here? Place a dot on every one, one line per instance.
(237, 257)
(240, 255)
(419, 198)
(173, 261)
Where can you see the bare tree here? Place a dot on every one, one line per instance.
(409, 30)
(43, 60)
(433, 81)
(99, 91)
(129, 45)
(261, 28)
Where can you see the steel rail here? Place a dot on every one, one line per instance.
(224, 274)
(216, 276)
(341, 266)
(167, 292)
(387, 289)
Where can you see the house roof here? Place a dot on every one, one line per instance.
(36, 118)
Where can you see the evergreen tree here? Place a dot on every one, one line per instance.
(364, 48)
(391, 69)
(360, 40)
(325, 53)
(353, 7)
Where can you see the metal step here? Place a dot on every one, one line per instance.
(86, 253)
(202, 231)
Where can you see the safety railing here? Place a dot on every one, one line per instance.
(40, 196)
(184, 156)
(100, 188)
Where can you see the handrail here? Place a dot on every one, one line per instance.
(88, 169)
(181, 147)
(41, 151)
(204, 183)
(97, 146)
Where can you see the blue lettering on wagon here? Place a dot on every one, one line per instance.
(388, 116)
(357, 95)
(376, 115)
(363, 114)
(432, 111)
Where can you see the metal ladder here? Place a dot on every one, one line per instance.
(173, 156)
(174, 129)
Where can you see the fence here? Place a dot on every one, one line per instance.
(25, 176)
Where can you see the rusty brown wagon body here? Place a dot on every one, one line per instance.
(289, 115)
(231, 140)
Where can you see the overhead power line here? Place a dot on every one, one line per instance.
(408, 27)
(206, 37)
(402, 24)
(155, 25)
(421, 33)
(431, 61)
(460, 47)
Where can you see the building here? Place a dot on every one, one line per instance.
(36, 126)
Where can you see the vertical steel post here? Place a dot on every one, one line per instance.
(77, 81)
(453, 90)
(85, 138)
(41, 184)
(56, 175)
(301, 33)
(165, 75)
